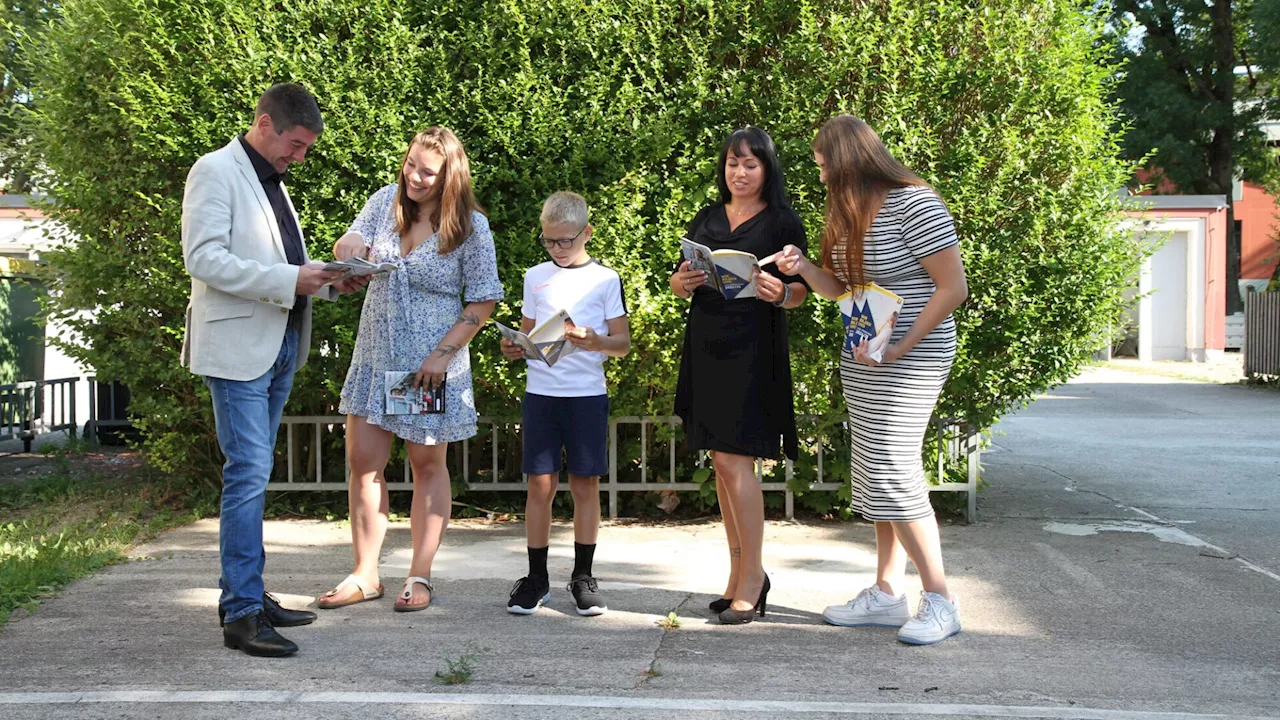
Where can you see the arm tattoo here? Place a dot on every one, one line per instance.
(447, 350)
(469, 318)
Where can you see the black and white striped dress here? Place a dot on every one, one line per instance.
(890, 405)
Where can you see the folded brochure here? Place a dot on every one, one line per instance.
(357, 266)
(731, 272)
(869, 312)
(404, 399)
(547, 342)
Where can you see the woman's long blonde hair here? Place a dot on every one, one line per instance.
(860, 173)
(452, 217)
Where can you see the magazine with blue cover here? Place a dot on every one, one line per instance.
(869, 312)
(731, 272)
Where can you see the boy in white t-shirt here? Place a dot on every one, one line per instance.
(566, 406)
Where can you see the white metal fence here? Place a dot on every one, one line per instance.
(957, 442)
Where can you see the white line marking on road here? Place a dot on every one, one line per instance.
(1256, 568)
(776, 707)
(1162, 530)
(1142, 512)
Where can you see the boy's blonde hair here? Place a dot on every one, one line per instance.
(565, 208)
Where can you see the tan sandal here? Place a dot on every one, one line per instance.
(407, 594)
(366, 594)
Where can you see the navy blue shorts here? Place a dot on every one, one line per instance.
(578, 426)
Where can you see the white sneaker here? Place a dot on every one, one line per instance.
(936, 619)
(872, 607)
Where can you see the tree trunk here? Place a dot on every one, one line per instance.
(1222, 165)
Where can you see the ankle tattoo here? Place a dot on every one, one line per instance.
(735, 552)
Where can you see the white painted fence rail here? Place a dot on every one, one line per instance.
(959, 442)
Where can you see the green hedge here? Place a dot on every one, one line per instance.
(999, 103)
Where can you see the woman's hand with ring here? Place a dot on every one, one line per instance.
(769, 288)
(688, 280)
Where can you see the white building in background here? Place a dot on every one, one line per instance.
(27, 352)
(1181, 313)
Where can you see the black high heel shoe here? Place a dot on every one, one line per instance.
(729, 616)
(720, 605)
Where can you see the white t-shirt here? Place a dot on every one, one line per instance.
(592, 293)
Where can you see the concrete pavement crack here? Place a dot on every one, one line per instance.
(1075, 487)
(653, 671)
(1152, 518)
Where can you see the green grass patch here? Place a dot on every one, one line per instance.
(77, 519)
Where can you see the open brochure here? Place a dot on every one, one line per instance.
(869, 312)
(404, 399)
(547, 342)
(357, 266)
(731, 272)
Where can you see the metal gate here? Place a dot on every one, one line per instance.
(1262, 334)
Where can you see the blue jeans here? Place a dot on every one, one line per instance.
(247, 415)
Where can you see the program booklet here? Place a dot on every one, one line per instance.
(869, 312)
(731, 272)
(547, 342)
(357, 266)
(404, 399)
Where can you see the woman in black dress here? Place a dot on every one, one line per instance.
(734, 393)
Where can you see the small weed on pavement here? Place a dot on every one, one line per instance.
(461, 669)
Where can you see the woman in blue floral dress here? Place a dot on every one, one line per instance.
(418, 318)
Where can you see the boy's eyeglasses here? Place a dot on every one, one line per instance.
(563, 244)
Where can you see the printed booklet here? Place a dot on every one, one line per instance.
(869, 312)
(547, 342)
(404, 399)
(357, 266)
(731, 272)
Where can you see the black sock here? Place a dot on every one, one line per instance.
(538, 562)
(582, 555)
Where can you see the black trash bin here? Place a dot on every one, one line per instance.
(114, 426)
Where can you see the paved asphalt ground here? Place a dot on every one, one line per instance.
(1126, 566)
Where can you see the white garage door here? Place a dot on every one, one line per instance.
(1169, 300)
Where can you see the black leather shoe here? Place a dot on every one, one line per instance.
(740, 617)
(253, 635)
(278, 615)
(282, 616)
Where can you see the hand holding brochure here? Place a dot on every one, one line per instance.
(869, 312)
(731, 272)
(404, 399)
(547, 342)
(357, 266)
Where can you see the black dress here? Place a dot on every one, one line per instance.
(734, 393)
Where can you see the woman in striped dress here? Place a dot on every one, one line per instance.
(886, 225)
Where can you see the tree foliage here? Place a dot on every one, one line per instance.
(1000, 104)
(21, 22)
(1191, 114)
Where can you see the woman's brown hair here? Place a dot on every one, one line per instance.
(452, 216)
(860, 173)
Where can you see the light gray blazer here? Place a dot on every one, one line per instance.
(242, 285)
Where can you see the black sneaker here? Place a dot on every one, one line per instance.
(586, 594)
(528, 595)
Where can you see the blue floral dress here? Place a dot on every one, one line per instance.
(407, 313)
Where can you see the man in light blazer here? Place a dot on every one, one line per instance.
(248, 331)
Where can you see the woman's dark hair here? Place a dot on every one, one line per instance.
(761, 145)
